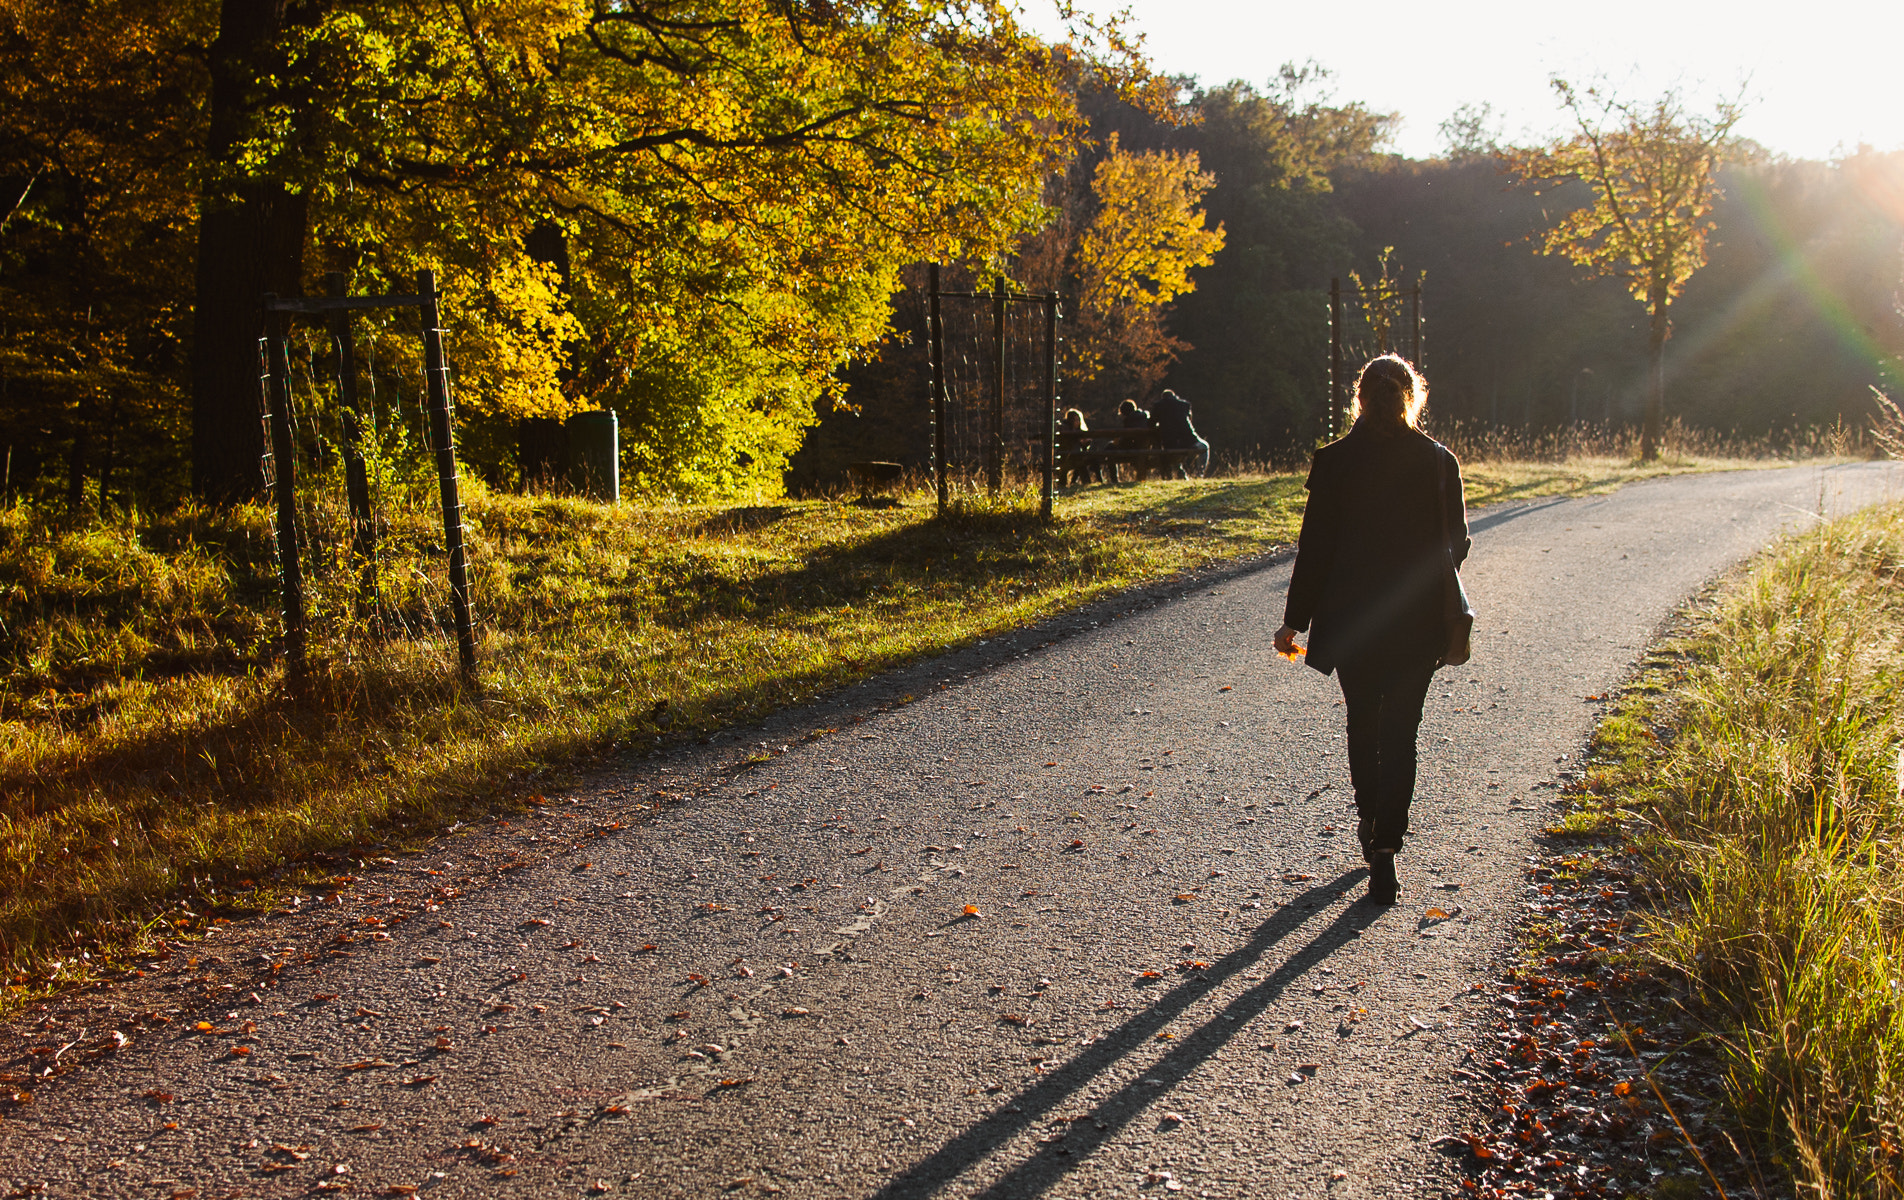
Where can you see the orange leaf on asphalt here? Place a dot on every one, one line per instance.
(971, 910)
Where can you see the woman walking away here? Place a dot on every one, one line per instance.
(1384, 528)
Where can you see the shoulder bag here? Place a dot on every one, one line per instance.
(1457, 611)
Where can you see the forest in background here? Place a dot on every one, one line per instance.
(1790, 324)
(718, 223)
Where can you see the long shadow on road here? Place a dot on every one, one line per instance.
(1038, 1173)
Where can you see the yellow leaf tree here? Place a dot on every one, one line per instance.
(1651, 171)
(1134, 256)
(693, 212)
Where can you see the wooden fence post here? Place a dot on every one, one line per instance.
(935, 334)
(995, 459)
(442, 436)
(1051, 401)
(1335, 357)
(280, 473)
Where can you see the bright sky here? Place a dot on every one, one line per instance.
(1820, 76)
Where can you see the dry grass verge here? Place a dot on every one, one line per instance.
(1757, 768)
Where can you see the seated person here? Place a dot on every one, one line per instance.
(1129, 416)
(1079, 467)
(1170, 416)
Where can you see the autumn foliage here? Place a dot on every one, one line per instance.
(691, 214)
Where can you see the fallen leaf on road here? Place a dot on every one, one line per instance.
(367, 1064)
(971, 910)
(1173, 1118)
(1226, 688)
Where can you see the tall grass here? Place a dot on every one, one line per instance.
(1679, 442)
(1767, 779)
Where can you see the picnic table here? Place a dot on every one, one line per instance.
(1142, 449)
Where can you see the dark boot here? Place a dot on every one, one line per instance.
(1383, 887)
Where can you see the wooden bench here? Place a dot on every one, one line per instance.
(1142, 449)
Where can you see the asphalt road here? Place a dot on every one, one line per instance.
(1077, 919)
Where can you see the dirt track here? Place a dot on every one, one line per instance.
(767, 979)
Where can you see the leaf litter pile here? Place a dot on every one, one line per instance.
(1599, 1079)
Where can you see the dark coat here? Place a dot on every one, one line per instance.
(1370, 563)
(1171, 417)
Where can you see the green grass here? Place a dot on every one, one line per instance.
(1757, 767)
(154, 775)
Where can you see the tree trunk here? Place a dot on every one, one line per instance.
(1660, 329)
(250, 241)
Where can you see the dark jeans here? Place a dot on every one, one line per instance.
(1384, 699)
